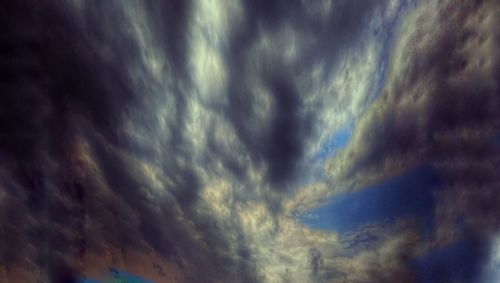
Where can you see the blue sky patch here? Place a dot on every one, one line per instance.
(409, 194)
(117, 276)
(337, 141)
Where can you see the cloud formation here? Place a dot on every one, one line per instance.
(177, 139)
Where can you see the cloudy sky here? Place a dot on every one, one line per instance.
(250, 141)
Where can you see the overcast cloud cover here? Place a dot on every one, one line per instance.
(192, 141)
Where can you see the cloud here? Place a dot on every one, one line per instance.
(184, 131)
(437, 107)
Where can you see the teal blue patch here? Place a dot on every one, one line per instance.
(117, 276)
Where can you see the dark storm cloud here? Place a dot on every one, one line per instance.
(279, 141)
(280, 146)
(90, 159)
(63, 74)
(65, 80)
(163, 230)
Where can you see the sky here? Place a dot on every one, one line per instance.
(250, 141)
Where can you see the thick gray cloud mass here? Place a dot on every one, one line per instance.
(184, 133)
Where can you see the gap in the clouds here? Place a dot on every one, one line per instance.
(408, 195)
(385, 32)
(337, 141)
(459, 261)
(116, 276)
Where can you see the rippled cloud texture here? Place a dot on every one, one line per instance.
(250, 141)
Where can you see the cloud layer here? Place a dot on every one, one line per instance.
(179, 139)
